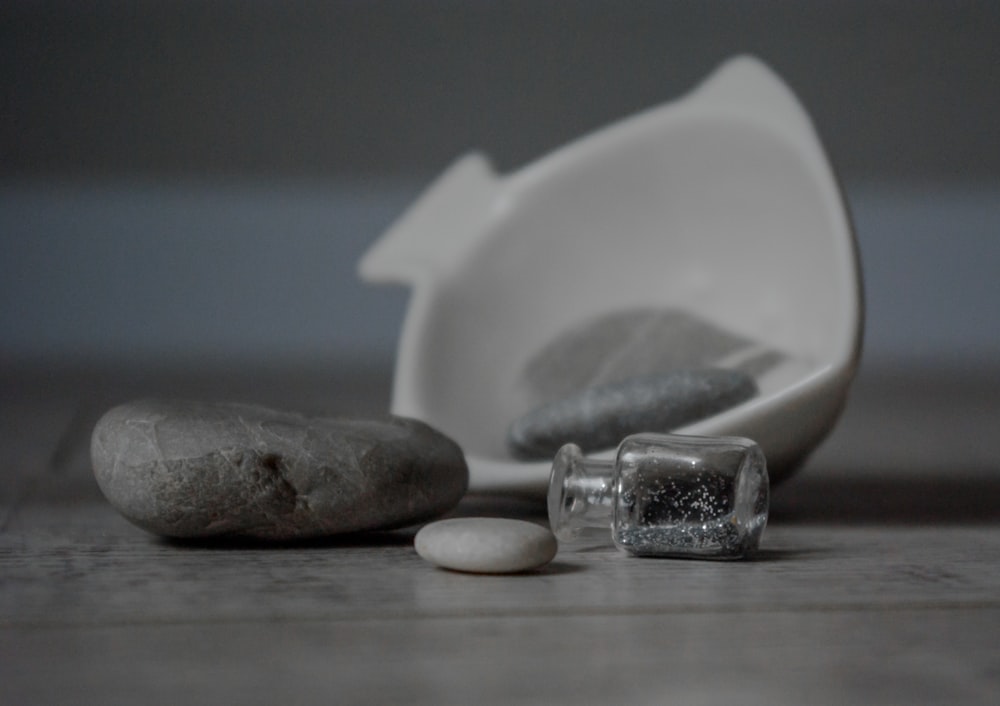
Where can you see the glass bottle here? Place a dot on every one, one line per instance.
(665, 495)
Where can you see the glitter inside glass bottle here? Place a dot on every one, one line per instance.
(665, 495)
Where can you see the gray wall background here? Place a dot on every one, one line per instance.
(195, 181)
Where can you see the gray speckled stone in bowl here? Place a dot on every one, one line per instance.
(630, 343)
(199, 469)
(600, 417)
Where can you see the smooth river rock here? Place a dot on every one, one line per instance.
(202, 469)
(600, 417)
(629, 343)
(486, 545)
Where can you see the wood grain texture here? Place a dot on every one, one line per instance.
(878, 582)
(825, 657)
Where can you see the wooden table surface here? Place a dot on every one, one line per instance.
(878, 581)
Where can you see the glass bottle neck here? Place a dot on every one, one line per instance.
(581, 493)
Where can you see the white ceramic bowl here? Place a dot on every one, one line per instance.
(721, 204)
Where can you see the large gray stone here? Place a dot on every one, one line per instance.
(198, 469)
(600, 417)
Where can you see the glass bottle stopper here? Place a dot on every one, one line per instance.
(665, 495)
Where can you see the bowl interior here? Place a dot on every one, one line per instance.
(720, 220)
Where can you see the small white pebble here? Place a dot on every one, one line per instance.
(486, 545)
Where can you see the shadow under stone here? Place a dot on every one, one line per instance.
(394, 538)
